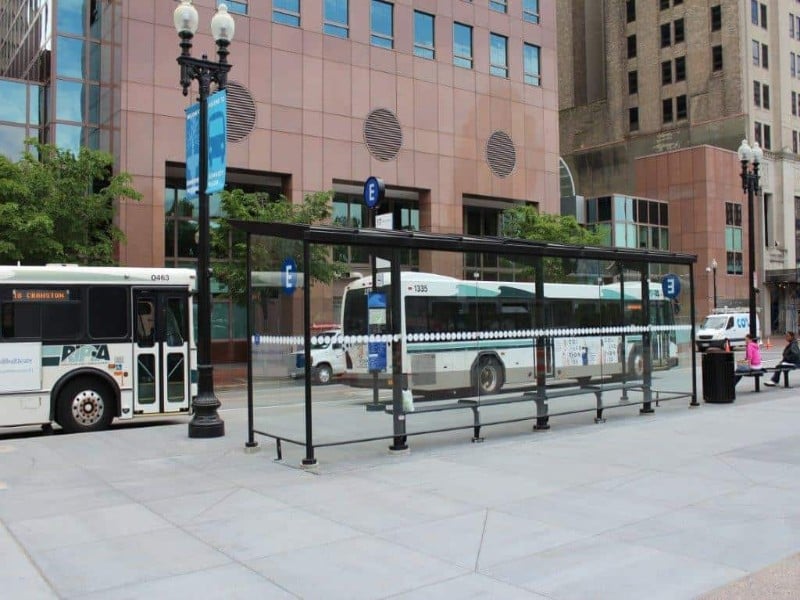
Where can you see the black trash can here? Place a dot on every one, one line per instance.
(718, 376)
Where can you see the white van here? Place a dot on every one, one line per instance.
(327, 357)
(721, 328)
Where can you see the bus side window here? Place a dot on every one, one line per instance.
(21, 320)
(145, 323)
(7, 323)
(175, 329)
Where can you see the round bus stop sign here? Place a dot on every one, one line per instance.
(374, 191)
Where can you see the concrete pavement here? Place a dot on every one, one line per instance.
(680, 504)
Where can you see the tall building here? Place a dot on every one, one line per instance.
(452, 103)
(655, 97)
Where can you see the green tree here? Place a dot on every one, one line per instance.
(268, 253)
(58, 207)
(526, 222)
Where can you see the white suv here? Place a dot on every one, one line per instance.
(327, 358)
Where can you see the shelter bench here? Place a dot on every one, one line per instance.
(542, 415)
(756, 375)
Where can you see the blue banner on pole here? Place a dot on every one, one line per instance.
(217, 126)
(192, 151)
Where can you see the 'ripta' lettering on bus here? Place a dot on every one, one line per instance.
(86, 353)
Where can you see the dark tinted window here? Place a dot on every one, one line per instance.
(604, 208)
(679, 33)
(20, 320)
(716, 18)
(108, 312)
(63, 320)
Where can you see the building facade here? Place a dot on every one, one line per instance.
(647, 87)
(452, 103)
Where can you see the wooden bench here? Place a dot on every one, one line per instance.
(542, 415)
(756, 375)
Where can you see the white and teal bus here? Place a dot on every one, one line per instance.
(80, 346)
(481, 335)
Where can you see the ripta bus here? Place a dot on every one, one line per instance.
(458, 334)
(82, 346)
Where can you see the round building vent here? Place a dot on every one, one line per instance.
(500, 154)
(241, 112)
(382, 134)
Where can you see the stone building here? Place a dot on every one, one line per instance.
(655, 97)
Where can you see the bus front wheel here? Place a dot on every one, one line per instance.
(488, 376)
(85, 404)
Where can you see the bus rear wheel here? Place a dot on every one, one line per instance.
(636, 364)
(488, 376)
(85, 404)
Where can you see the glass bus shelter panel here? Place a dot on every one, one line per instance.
(276, 336)
(671, 295)
(578, 320)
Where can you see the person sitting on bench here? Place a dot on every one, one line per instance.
(790, 358)
(751, 361)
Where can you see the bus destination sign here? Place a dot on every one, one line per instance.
(33, 295)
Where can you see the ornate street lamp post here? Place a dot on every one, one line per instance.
(713, 270)
(751, 160)
(206, 422)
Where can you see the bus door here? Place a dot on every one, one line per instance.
(161, 351)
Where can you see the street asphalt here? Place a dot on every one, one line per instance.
(685, 503)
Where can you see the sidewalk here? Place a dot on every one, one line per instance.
(678, 504)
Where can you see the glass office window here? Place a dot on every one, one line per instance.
(12, 141)
(93, 113)
(530, 10)
(499, 5)
(68, 137)
(93, 138)
(235, 6)
(13, 106)
(70, 61)
(424, 46)
(498, 55)
(70, 101)
(69, 16)
(37, 102)
(336, 19)
(382, 24)
(462, 45)
(286, 12)
(94, 61)
(532, 64)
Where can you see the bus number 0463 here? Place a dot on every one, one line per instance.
(159, 277)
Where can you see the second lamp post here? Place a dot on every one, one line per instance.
(713, 270)
(751, 160)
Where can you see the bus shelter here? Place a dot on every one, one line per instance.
(442, 334)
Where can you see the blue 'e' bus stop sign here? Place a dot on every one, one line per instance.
(671, 286)
(289, 275)
(374, 191)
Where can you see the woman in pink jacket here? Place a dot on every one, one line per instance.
(752, 358)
